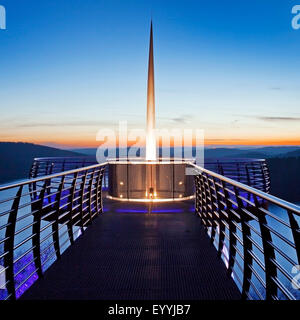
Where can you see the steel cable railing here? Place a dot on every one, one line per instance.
(40, 218)
(256, 234)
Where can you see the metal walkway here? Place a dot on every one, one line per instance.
(140, 256)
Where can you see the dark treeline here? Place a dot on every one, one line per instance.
(16, 158)
(285, 178)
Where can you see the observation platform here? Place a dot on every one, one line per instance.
(129, 253)
(62, 239)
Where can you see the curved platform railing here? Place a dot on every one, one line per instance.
(40, 218)
(252, 172)
(47, 166)
(256, 234)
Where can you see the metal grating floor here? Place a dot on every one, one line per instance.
(139, 256)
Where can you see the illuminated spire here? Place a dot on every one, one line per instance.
(150, 138)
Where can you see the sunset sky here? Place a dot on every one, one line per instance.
(69, 68)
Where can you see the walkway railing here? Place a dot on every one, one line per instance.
(40, 218)
(257, 235)
(47, 166)
(252, 172)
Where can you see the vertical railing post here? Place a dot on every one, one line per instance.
(91, 195)
(36, 230)
(83, 183)
(46, 167)
(232, 229)
(269, 253)
(203, 209)
(33, 174)
(211, 214)
(220, 220)
(55, 225)
(267, 178)
(51, 168)
(99, 208)
(63, 165)
(254, 174)
(9, 245)
(71, 210)
(247, 246)
(248, 180)
(296, 233)
(196, 180)
(238, 172)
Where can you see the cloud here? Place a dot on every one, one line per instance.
(69, 124)
(277, 119)
(276, 88)
(222, 140)
(184, 119)
(273, 118)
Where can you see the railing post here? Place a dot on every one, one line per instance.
(296, 233)
(70, 215)
(90, 194)
(51, 168)
(63, 165)
(266, 177)
(55, 225)
(232, 230)
(83, 183)
(99, 209)
(269, 253)
(247, 246)
(220, 222)
(238, 172)
(196, 179)
(212, 205)
(203, 198)
(9, 245)
(33, 174)
(36, 230)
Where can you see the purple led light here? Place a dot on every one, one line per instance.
(153, 211)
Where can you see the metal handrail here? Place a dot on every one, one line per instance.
(258, 246)
(253, 172)
(266, 196)
(50, 176)
(73, 199)
(42, 216)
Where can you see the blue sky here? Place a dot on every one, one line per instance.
(70, 67)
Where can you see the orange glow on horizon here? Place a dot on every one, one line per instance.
(82, 143)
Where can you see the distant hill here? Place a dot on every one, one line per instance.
(234, 153)
(285, 178)
(284, 163)
(16, 158)
(251, 155)
(86, 151)
(276, 151)
(291, 154)
(260, 152)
